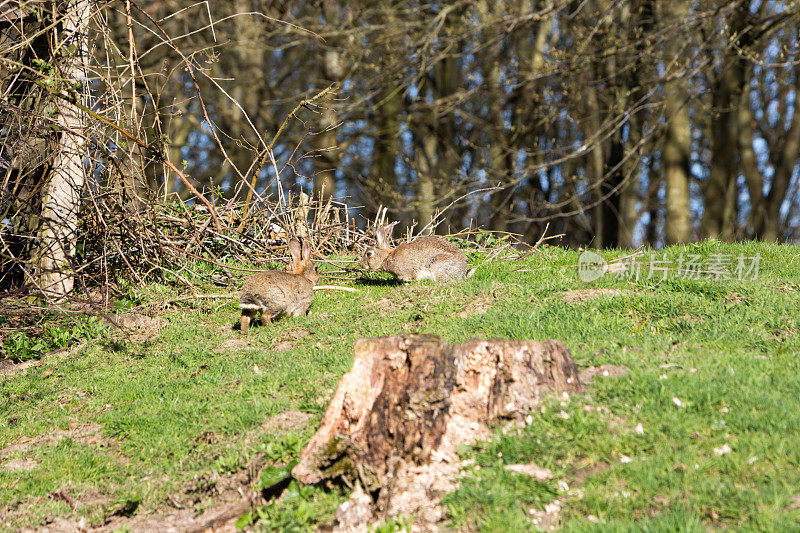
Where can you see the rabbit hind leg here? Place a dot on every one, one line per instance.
(248, 314)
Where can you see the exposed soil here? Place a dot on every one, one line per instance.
(86, 434)
(577, 296)
(140, 323)
(19, 465)
(288, 339)
(286, 421)
(233, 345)
(140, 328)
(212, 502)
(536, 472)
(794, 503)
(588, 375)
(478, 306)
(584, 473)
(387, 306)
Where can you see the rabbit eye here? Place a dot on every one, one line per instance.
(370, 253)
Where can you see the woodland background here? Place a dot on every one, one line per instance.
(614, 122)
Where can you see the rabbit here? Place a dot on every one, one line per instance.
(424, 258)
(273, 293)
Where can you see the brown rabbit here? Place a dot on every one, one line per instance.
(424, 258)
(273, 293)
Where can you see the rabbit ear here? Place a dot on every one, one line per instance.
(306, 252)
(380, 236)
(383, 233)
(294, 249)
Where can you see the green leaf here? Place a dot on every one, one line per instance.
(292, 492)
(247, 519)
(272, 475)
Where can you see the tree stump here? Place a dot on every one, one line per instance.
(396, 418)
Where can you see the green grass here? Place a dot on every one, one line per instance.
(123, 422)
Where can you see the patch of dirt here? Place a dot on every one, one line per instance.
(92, 299)
(577, 296)
(735, 298)
(220, 519)
(140, 323)
(232, 345)
(582, 474)
(692, 318)
(82, 499)
(86, 434)
(20, 465)
(224, 498)
(287, 420)
(794, 503)
(140, 328)
(290, 420)
(588, 375)
(387, 306)
(478, 306)
(7, 366)
(288, 339)
(536, 472)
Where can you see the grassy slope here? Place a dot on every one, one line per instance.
(186, 404)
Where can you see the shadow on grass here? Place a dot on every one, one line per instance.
(379, 282)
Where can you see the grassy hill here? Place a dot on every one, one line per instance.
(701, 430)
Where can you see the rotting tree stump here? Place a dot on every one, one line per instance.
(395, 420)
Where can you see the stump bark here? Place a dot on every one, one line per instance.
(396, 418)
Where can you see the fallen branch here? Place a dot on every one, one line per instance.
(334, 288)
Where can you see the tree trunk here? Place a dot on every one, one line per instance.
(396, 419)
(641, 16)
(677, 144)
(719, 217)
(499, 167)
(527, 107)
(250, 63)
(426, 163)
(720, 191)
(61, 192)
(327, 159)
(447, 80)
(383, 185)
(594, 167)
(786, 159)
(677, 149)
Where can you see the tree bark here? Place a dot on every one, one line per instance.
(383, 185)
(396, 419)
(61, 192)
(677, 144)
(426, 163)
(719, 217)
(786, 159)
(499, 167)
(327, 159)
